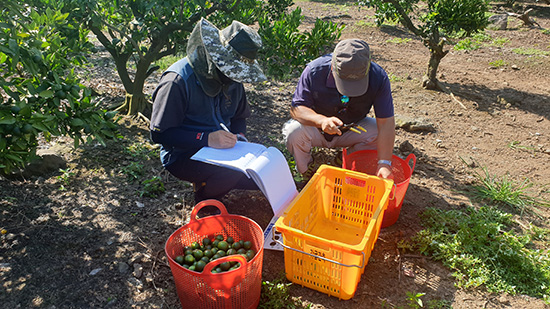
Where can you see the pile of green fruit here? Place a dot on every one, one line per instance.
(197, 255)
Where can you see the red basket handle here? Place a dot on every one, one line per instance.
(201, 204)
(231, 278)
(410, 157)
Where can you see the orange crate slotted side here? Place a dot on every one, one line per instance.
(331, 228)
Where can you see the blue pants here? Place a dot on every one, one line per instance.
(210, 181)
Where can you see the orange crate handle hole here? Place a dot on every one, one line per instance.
(202, 204)
(320, 257)
(228, 279)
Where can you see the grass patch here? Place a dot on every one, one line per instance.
(399, 40)
(498, 63)
(480, 40)
(530, 51)
(483, 248)
(275, 295)
(165, 62)
(505, 192)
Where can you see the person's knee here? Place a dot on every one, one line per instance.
(294, 133)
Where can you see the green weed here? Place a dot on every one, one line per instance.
(504, 191)
(498, 63)
(133, 171)
(142, 151)
(467, 44)
(530, 51)
(165, 62)
(365, 24)
(399, 40)
(152, 187)
(482, 248)
(275, 295)
(65, 178)
(414, 299)
(516, 145)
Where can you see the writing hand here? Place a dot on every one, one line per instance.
(221, 139)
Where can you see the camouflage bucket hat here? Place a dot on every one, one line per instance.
(234, 50)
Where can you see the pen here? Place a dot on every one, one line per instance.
(224, 127)
(239, 136)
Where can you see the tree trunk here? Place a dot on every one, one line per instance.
(429, 81)
(435, 44)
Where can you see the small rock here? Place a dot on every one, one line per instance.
(136, 258)
(138, 270)
(95, 271)
(515, 67)
(123, 267)
(140, 204)
(136, 282)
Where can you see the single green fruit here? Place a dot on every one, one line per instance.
(207, 241)
(195, 245)
(225, 266)
(27, 128)
(230, 240)
(208, 253)
(200, 266)
(231, 251)
(219, 237)
(198, 254)
(250, 254)
(189, 259)
(247, 245)
(15, 109)
(180, 259)
(236, 245)
(205, 259)
(241, 251)
(61, 94)
(223, 245)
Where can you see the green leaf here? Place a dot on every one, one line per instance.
(46, 94)
(7, 119)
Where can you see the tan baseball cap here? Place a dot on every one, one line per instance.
(350, 67)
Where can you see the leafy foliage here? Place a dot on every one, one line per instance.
(40, 93)
(275, 295)
(438, 19)
(482, 248)
(287, 50)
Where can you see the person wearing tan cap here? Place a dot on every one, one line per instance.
(332, 99)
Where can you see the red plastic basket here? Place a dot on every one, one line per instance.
(366, 161)
(239, 288)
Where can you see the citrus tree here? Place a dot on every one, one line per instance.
(436, 21)
(138, 33)
(40, 94)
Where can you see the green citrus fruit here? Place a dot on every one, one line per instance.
(219, 237)
(207, 241)
(230, 240)
(189, 259)
(225, 266)
(247, 245)
(200, 266)
(198, 254)
(195, 245)
(236, 245)
(179, 259)
(223, 245)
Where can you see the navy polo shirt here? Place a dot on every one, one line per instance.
(316, 89)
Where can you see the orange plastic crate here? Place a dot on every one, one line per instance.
(330, 229)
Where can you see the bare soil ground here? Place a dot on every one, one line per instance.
(84, 238)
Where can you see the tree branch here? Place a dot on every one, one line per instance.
(405, 20)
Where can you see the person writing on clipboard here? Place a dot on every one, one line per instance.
(200, 101)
